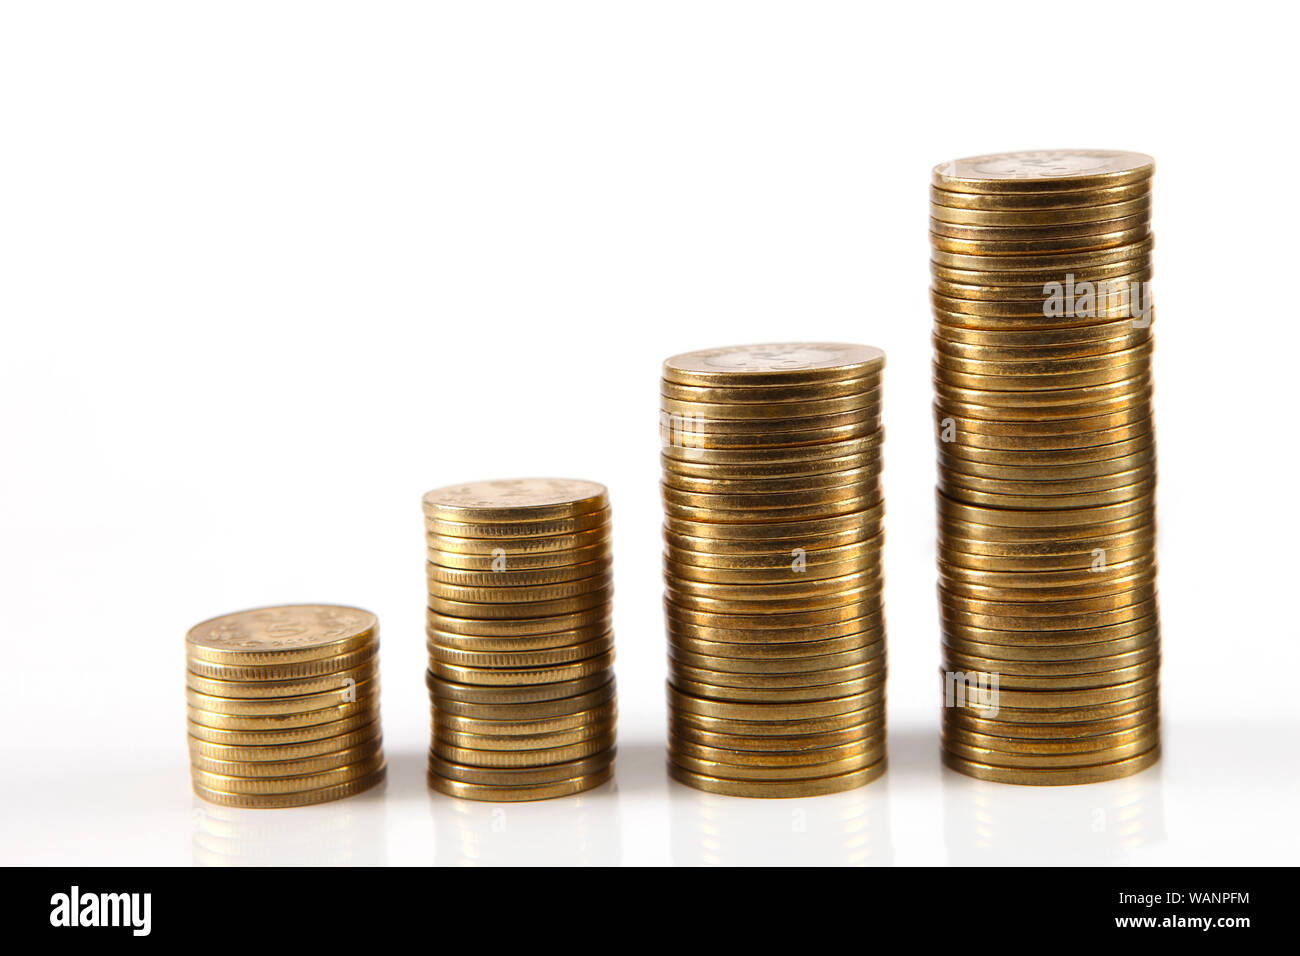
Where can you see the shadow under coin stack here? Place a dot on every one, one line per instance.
(772, 530)
(521, 649)
(284, 706)
(1041, 264)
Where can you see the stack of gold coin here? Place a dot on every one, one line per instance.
(284, 705)
(521, 649)
(772, 530)
(1041, 266)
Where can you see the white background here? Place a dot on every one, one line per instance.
(269, 271)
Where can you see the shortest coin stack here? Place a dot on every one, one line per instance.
(520, 646)
(283, 706)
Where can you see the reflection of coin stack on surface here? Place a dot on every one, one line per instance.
(772, 529)
(1042, 371)
(520, 643)
(284, 706)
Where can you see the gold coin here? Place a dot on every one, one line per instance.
(516, 628)
(872, 623)
(510, 549)
(1042, 199)
(296, 799)
(300, 670)
(1140, 206)
(680, 702)
(561, 642)
(760, 651)
(779, 531)
(1051, 716)
(1037, 762)
(769, 394)
(1054, 731)
(1042, 262)
(975, 514)
(504, 563)
(772, 412)
(821, 663)
(683, 552)
(445, 691)
(1048, 245)
(777, 727)
(346, 693)
(747, 770)
(306, 736)
(1039, 232)
(521, 776)
(785, 695)
(545, 528)
(1015, 283)
(813, 787)
(531, 743)
(532, 610)
(504, 577)
(770, 506)
(1032, 171)
(772, 486)
(767, 764)
(679, 473)
(1079, 697)
(260, 769)
(515, 660)
(1046, 653)
(289, 784)
(1059, 562)
(522, 759)
(531, 711)
(683, 443)
(499, 794)
(1144, 605)
(1072, 683)
(785, 363)
(858, 734)
(1036, 474)
(581, 721)
(522, 594)
(994, 310)
(684, 676)
(248, 752)
(795, 570)
(273, 689)
(776, 461)
(1034, 341)
(515, 499)
(524, 677)
(1021, 359)
(364, 706)
(802, 603)
(282, 635)
(1144, 734)
(792, 625)
(1009, 381)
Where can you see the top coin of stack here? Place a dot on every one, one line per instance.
(1041, 266)
(284, 705)
(520, 643)
(772, 530)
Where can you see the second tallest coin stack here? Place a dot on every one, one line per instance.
(772, 530)
(1041, 264)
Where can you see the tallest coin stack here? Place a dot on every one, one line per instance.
(1041, 264)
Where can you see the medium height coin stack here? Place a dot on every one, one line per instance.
(1041, 264)
(284, 706)
(772, 530)
(521, 649)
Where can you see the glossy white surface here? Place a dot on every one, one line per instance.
(271, 271)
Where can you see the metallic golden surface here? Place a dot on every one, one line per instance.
(506, 577)
(595, 617)
(1140, 206)
(513, 660)
(1026, 243)
(248, 750)
(582, 721)
(364, 708)
(1041, 199)
(529, 759)
(767, 486)
(525, 677)
(785, 695)
(515, 794)
(445, 691)
(503, 593)
(769, 395)
(1082, 231)
(300, 798)
(456, 546)
(297, 783)
(781, 364)
(343, 693)
(293, 670)
(1034, 171)
(515, 500)
(281, 635)
(1099, 727)
(530, 711)
(306, 736)
(683, 755)
(807, 787)
(505, 643)
(289, 766)
(504, 562)
(294, 687)
(521, 776)
(524, 610)
(535, 744)
(778, 414)
(541, 528)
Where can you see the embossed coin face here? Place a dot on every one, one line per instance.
(774, 362)
(287, 628)
(516, 498)
(1043, 169)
